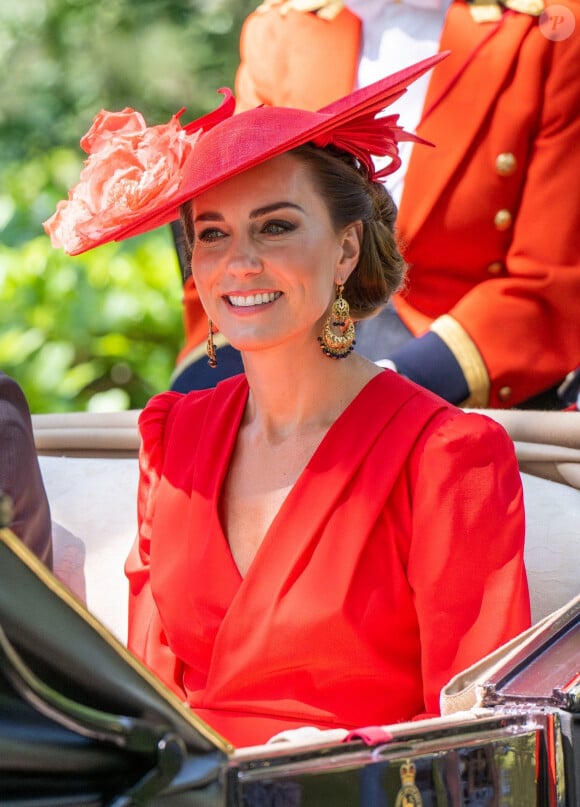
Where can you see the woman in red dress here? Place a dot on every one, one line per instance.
(321, 541)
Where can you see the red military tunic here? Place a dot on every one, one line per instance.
(489, 220)
(395, 561)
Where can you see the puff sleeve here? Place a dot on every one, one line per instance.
(146, 637)
(466, 561)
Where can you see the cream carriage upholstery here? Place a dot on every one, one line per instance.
(89, 466)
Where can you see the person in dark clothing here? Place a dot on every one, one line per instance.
(20, 476)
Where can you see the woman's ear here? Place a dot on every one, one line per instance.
(350, 254)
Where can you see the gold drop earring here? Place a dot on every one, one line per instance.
(337, 345)
(210, 347)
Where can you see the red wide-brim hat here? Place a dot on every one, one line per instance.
(137, 177)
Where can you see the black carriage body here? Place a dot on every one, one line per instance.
(83, 723)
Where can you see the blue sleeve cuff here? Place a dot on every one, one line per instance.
(429, 362)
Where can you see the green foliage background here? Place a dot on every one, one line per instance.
(100, 331)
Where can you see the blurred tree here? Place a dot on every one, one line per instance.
(100, 331)
(62, 60)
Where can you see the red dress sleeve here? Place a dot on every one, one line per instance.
(146, 637)
(466, 565)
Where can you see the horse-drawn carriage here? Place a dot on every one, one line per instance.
(82, 722)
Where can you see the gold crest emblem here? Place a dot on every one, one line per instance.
(408, 795)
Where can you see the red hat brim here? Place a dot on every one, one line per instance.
(256, 135)
(122, 194)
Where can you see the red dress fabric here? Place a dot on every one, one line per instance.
(395, 561)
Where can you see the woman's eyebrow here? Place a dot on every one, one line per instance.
(210, 215)
(263, 211)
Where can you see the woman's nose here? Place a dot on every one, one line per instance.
(243, 257)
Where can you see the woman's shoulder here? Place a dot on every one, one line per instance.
(439, 443)
(161, 406)
(429, 415)
(165, 408)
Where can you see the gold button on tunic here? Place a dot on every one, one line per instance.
(505, 164)
(502, 219)
(495, 268)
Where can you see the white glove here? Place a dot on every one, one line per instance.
(388, 364)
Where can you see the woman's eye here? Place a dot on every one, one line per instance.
(210, 234)
(278, 227)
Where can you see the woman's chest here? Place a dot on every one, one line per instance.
(258, 482)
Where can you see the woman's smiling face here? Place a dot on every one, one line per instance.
(266, 256)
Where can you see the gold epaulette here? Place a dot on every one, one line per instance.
(325, 9)
(532, 7)
(491, 10)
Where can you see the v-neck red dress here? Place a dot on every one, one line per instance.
(395, 561)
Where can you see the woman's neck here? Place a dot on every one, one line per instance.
(291, 393)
